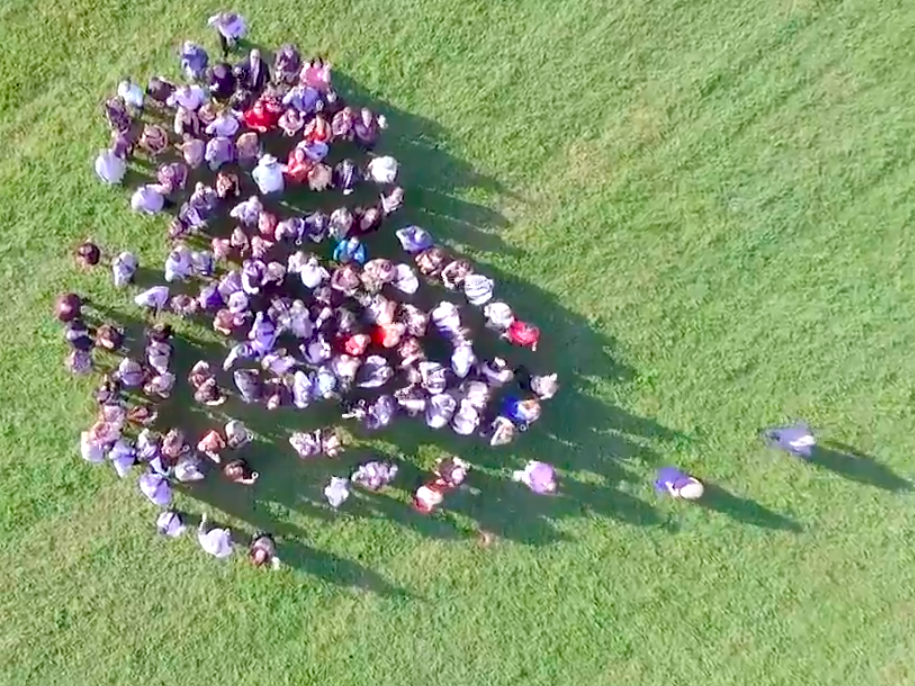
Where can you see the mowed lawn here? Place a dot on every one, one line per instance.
(707, 206)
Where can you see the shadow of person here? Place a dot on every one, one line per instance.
(852, 464)
(745, 510)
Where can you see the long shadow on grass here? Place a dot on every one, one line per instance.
(852, 464)
(589, 440)
(745, 510)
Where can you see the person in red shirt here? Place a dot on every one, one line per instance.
(262, 117)
(523, 334)
(298, 165)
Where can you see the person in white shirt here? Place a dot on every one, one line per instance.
(147, 199)
(382, 169)
(131, 94)
(217, 542)
(268, 175)
(189, 97)
(230, 27)
(225, 125)
(109, 167)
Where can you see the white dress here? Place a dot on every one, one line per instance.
(110, 168)
(383, 169)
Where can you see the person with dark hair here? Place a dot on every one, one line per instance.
(88, 254)
(286, 64)
(262, 550)
(238, 471)
(253, 73)
(68, 307)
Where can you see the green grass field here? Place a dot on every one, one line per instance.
(705, 205)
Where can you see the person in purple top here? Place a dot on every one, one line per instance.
(413, 239)
(262, 334)
(252, 276)
(678, 484)
(156, 488)
(123, 456)
(194, 60)
(169, 524)
(219, 151)
(797, 439)
(540, 477)
(302, 98)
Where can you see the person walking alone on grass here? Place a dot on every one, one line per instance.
(230, 27)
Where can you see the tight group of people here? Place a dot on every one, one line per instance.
(303, 329)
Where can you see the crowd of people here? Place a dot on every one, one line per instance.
(302, 329)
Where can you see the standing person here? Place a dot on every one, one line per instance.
(169, 523)
(230, 27)
(132, 94)
(217, 542)
(194, 60)
(221, 81)
(678, 484)
(540, 477)
(253, 73)
(286, 64)
(797, 439)
(262, 550)
(110, 167)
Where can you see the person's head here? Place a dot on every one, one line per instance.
(236, 470)
(88, 254)
(255, 55)
(366, 115)
(260, 556)
(68, 307)
(531, 406)
(109, 337)
(692, 490)
(160, 332)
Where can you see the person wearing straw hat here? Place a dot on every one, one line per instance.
(268, 175)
